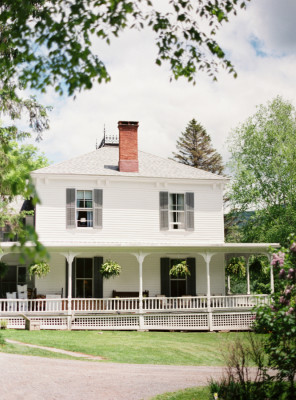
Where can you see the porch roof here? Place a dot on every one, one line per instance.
(157, 247)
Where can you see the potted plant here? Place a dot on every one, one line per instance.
(3, 269)
(110, 269)
(39, 269)
(180, 270)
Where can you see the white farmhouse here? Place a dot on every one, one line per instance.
(147, 214)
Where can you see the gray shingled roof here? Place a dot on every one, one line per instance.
(104, 162)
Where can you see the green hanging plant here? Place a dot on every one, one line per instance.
(110, 269)
(39, 269)
(180, 270)
(3, 269)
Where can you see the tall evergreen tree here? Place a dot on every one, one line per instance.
(195, 149)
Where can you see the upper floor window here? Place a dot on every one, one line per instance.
(176, 211)
(84, 208)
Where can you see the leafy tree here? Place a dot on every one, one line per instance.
(16, 162)
(48, 42)
(263, 163)
(195, 149)
(279, 318)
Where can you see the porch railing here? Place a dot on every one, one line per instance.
(150, 304)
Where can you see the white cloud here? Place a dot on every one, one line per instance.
(139, 90)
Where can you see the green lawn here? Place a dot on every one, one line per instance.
(197, 393)
(175, 348)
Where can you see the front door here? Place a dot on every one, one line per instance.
(178, 285)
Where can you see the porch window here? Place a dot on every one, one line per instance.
(84, 277)
(177, 211)
(84, 208)
(16, 275)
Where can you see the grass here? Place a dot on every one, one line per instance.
(167, 348)
(27, 351)
(197, 393)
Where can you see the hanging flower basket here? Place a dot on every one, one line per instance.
(40, 269)
(110, 269)
(180, 270)
(3, 269)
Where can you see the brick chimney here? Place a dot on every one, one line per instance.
(128, 146)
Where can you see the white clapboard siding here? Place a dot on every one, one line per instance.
(54, 282)
(130, 213)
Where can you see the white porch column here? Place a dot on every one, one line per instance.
(207, 257)
(271, 274)
(70, 258)
(247, 258)
(228, 285)
(140, 258)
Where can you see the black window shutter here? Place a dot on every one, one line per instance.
(98, 278)
(164, 276)
(189, 210)
(73, 277)
(66, 284)
(164, 210)
(70, 209)
(98, 208)
(191, 279)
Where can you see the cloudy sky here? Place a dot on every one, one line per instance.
(261, 43)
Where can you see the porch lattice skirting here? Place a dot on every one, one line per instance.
(195, 322)
(184, 313)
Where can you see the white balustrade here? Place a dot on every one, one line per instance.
(150, 304)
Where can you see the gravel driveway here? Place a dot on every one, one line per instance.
(32, 378)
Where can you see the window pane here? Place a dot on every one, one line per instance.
(180, 201)
(88, 204)
(79, 288)
(178, 288)
(80, 194)
(80, 203)
(172, 201)
(10, 276)
(22, 272)
(88, 268)
(88, 194)
(79, 268)
(84, 218)
(87, 287)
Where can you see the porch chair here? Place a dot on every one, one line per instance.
(53, 305)
(22, 294)
(11, 305)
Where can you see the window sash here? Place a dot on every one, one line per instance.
(84, 208)
(177, 210)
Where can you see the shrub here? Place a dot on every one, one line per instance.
(279, 318)
(241, 381)
(3, 324)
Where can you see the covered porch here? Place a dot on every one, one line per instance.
(143, 297)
